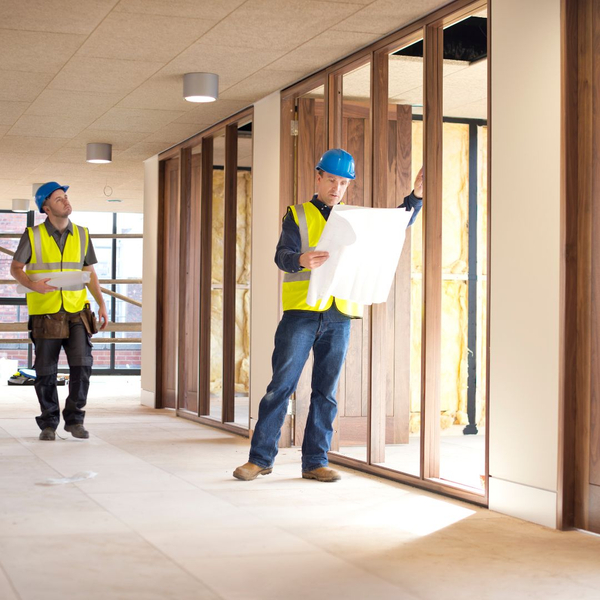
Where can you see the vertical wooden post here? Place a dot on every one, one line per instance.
(205, 276)
(432, 259)
(185, 209)
(402, 313)
(380, 358)
(229, 274)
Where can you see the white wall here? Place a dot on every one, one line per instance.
(265, 234)
(149, 282)
(525, 258)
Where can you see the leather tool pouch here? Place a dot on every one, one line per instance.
(50, 327)
(89, 320)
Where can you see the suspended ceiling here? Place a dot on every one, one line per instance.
(80, 71)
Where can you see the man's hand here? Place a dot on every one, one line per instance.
(418, 189)
(312, 260)
(102, 317)
(41, 286)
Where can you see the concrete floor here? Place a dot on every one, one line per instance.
(163, 518)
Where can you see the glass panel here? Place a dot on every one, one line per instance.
(311, 143)
(242, 275)
(10, 223)
(405, 305)
(464, 242)
(96, 222)
(130, 223)
(353, 391)
(216, 313)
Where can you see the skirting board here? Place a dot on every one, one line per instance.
(147, 399)
(523, 502)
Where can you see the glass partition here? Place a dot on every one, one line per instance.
(243, 251)
(464, 252)
(217, 248)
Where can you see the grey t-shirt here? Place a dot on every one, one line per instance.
(23, 252)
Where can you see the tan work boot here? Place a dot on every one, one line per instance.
(250, 471)
(322, 474)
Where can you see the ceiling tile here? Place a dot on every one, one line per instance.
(60, 16)
(191, 9)
(11, 111)
(37, 52)
(22, 87)
(135, 119)
(385, 16)
(87, 74)
(62, 171)
(76, 104)
(207, 114)
(143, 37)
(322, 50)
(257, 25)
(162, 92)
(232, 63)
(55, 126)
(35, 146)
(261, 84)
(173, 133)
(18, 166)
(143, 150)
(120, 140)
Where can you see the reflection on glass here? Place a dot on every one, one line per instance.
(242, 275)
(405, 305)
(464, 242)
(216, 303)
(353, 392)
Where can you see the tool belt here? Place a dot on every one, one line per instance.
(56, 326)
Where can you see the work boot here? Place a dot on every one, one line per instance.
(47, 434)
(322, 474)
(250, 471)
(78, 431)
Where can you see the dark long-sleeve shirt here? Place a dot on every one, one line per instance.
(287, 255)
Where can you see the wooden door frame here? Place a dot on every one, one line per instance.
(183, 154)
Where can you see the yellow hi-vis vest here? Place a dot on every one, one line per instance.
(311, 223)
(47, 258)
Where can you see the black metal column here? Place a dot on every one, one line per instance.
(471, 428)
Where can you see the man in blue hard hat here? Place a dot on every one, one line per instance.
(325, 328)
(59, 317)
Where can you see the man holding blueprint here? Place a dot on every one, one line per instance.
(54, 262)
(323, 324)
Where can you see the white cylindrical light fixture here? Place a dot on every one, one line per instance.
(99, 153)
(20, 204)
(200, 87)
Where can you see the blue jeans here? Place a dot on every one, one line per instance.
(295, 337)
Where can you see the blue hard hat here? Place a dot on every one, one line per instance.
(45, 190)
(337, 162)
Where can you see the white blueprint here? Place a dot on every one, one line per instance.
(364, 246)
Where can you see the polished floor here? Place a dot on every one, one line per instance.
(163, 518)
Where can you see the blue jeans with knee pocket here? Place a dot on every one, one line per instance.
(296, 335)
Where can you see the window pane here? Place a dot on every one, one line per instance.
(464, 242)
(216, 319)
(405, 304)
(242, 271)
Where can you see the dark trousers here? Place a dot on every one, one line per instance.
(78, 349)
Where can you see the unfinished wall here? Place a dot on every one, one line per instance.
(149, 282)
(525, 258)
(265, 233)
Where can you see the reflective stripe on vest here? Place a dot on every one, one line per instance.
(311, 223)
(46, 257)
